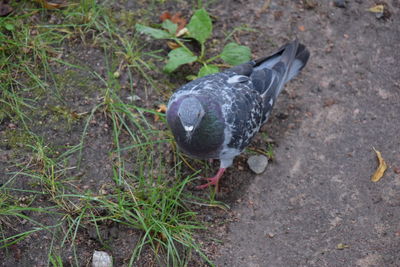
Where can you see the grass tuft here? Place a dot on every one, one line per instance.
(44, 190)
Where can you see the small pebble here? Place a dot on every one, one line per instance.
(258, 163)
(340, 3)
(310, 4)
(133, 98)
(208, 218)
(282, 116)
(101, 259)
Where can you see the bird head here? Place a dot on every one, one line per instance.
(190, 113)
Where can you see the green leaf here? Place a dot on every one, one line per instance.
(169, 26)
(200, 26)
(155, 33)
(9, 27)
(178, 57)
(235, 54)
(207, 69)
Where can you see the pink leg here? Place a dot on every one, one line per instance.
(213, 180)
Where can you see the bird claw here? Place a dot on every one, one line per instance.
(212, 180)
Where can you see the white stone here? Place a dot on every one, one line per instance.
(258, 163)
(101, 259)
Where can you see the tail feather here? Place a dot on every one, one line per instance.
(286, 62)
(300, 60)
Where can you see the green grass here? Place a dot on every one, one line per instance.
(147, 187)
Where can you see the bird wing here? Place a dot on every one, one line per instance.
(269, 74)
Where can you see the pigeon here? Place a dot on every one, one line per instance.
(216, 116)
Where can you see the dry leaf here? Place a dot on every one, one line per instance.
(165, 15)
(52, 5)
(310, 4)
(381, 168)
(75, 115)
(177, 19)
(162, 108)
(182, 32)
(302, 28)
(377, 9)
(173, 45)
(341, 246)
(381, 11)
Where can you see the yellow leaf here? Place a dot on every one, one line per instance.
(341, 246)
(381, 168)
(377, 9)
(181, 32)
(173, 45)
(162, 108)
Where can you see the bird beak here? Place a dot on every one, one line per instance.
(188, 128)
(189, 131)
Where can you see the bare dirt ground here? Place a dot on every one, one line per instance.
(315, 205)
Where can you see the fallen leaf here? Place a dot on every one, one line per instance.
(162, 108)
(341, 246)
(381, 11)
(75, 115)
(396, 170)
(377, 9)
(182, 32)
(302, 28)
(5, 9)
(381, 168)
(56, 4)
(175, 18)
(165, 15)
(310, 4)
(173, 45)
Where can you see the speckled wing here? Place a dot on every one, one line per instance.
(244, 114)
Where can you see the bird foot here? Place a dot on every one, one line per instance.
(212, 180)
